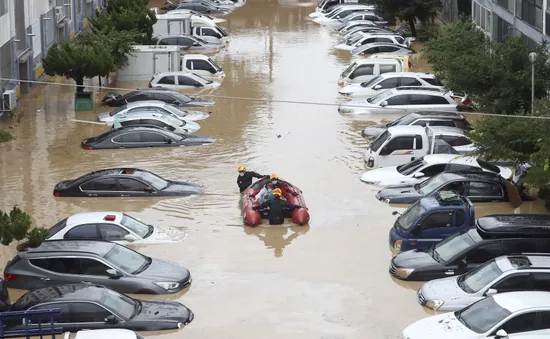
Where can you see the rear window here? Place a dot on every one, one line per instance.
(57, 227)
(433, 82)
(487, 166)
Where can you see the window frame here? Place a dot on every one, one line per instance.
(96, 179)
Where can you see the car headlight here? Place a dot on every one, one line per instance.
(167, 285)
(397, 245)
(403, 272)
(181, 325)
(387, 201)
(434, 304)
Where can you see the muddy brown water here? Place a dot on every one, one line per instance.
(325, 280)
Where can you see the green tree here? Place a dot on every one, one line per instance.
(410, 11)
(119, 43)
(16, 225)
(497, 76)
(77, 61)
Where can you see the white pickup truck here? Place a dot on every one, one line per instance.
(399, 145)
(104, 334)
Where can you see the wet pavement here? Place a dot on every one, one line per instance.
(325, 280)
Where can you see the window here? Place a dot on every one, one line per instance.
(130, 122)
(371, 50)
(128, 184)
(367, 41)
(362, 70)
(409, 82)
(433, 170)
(163, 97)
(437, 100)
(389, 83)
(203, 65)
(541, 281)
(543, 321)
(433, 82)
(168, 80)
(189, 64)
(152, 137)
(104, 184)
(88, 231)
(83, 312)
(186, 81)
(3, 7)
(436, 220)
(63, 317)
(484, 189)
(399, 143)
(388, 48)
(513, 282)
(449, 123)
(455, 140)
(383, 40)
(399, 100)
(130, 137)
(420, 99)
(58, 265)
(485, 252)
(57, 227)
(184, 41)
(138, 97)
(210, 32)
(521, 323)
(418, 144)
(530, 11)
(387, 68)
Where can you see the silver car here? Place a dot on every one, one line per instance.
(509, 273)
(57, 262)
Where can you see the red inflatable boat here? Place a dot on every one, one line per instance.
(292, 194)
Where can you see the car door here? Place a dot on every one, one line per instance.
(206, 31)
(421, 102)
(115, 233)
(61, 319)
(168, 81)
(517, 281)
(84, 231)
(433, 227)
(129, 139)
(94, 271)
(481, 191)
(134, 187)
(89, 315)
(186, 81)
(396, 152)
(362, 73)
(384, 85)
(520, 323)
(57, 270)
(102, 187)
(439, 103)
(155, 139)
(397, 103)
(202, 68)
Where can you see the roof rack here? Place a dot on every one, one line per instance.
(514, 225)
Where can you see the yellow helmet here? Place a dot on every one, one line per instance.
(277, 192)
(242, 169)
(274, 176)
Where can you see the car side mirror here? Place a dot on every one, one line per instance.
(501, 334)
(418, 175)
(114, 274)
(111, 319)
(130, 238)
(384, 103)
(377, 87)
(394, 213)
(168, 141)
(176, 102)
(491, 292)
(196, 44)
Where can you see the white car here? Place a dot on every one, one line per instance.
(506, 315)
(112, 226)
(387, 81)
(355, 25)
(340, 13)
(115, 333)
(181, 80)
(152, 106)
(374, 28)
(367, 38)
(428, 166)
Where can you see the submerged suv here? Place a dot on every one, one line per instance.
(512, 273)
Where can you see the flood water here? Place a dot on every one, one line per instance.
(325, 280)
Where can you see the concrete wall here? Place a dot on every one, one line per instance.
(7, 24)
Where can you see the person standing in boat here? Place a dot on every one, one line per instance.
(277, 207)
(245, 178)
(279, 184)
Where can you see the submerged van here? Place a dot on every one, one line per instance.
(363, 70)
(430, 220)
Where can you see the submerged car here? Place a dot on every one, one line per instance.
(428, 166)
(168, 96)
(381, 47)
(190, 42)
(360, 39)
(164, 121)
(387, 81)
(204, 7)
(478, 186)
(181, 80)
(151, 106)
(87, 306)
(111, 226)
(136, 136)
(124, 182)
(106, 263)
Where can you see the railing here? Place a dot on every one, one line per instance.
(40, 329)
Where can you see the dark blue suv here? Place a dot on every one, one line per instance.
(431, 219)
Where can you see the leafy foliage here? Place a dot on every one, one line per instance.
(20, 223)
(410, 11)
(5, 136)
(36, 236)
(5, 229)
(118, 43)
(16, 225)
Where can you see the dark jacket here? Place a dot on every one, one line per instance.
(278, 209)
(246, 179)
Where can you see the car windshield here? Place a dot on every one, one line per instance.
(371, 81)
(380, 141)
(404, 120)
(380, 97)
(136, 226)
(483, 315)
(433, 183)
(487, 166)
(118, 110)
(479, 277)
(411, 167)
(411, 215)
(128, 260)
(122, 305)
(215, 65)
(446, 249)
(154, 180)
(348, 70)
(354, 38)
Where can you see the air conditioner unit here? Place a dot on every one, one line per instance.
(10, 100)
(59, 16)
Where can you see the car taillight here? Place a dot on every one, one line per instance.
(55, 194)
(150, 86)
(466, 101)
(10, 277)
(88, 148)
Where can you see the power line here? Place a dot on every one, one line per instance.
(268, 100)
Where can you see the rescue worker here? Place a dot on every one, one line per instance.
(245, 178)
(279, 184)
(277, 207)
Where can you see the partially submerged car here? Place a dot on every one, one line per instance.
(124, 182)
(360, 39)
(85, 306)
(168, 96)
(387, 81)
(181, 81)
(164, 121)
(154, 106)
(190, 42)
(381, 47)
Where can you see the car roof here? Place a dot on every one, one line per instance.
(60, 293)
(118, 333)
(514, 225)
(517, 301)
(405, 129)
(97, 247)
(526, 261)
(448, 130)
(419, 91)
(432, 159)
(442, 114)
(149, 115)
(163, 36)
(113, 171)
(409, 74)
(92, 217)
(145, 103)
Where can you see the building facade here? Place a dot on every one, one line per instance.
(529, 19)
(28, 28)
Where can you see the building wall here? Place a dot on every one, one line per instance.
(7, 25)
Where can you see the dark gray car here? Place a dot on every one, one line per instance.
(97, 262)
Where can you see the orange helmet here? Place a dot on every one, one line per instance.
(274, 177)
(277, 192)
(241, 169)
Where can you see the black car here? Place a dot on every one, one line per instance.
(477, 185)
(87, 306)
(424, 118)
(133, 136)
(124, 182)
(204, 8)
(162, 94)
(492, 237)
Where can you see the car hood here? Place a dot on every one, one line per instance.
(445, 289)
(350, 89)
(191, 126)
(161, 310)
(200, 103)
(373, 131)
(413, 259)
(380, 175)
(344, 47)
(399, 194)
(105, 117)
(437, 327)
(355, 106)
(163, 270)
(184, 187)
(194, 115)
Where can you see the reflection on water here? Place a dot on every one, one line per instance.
(332, 282)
